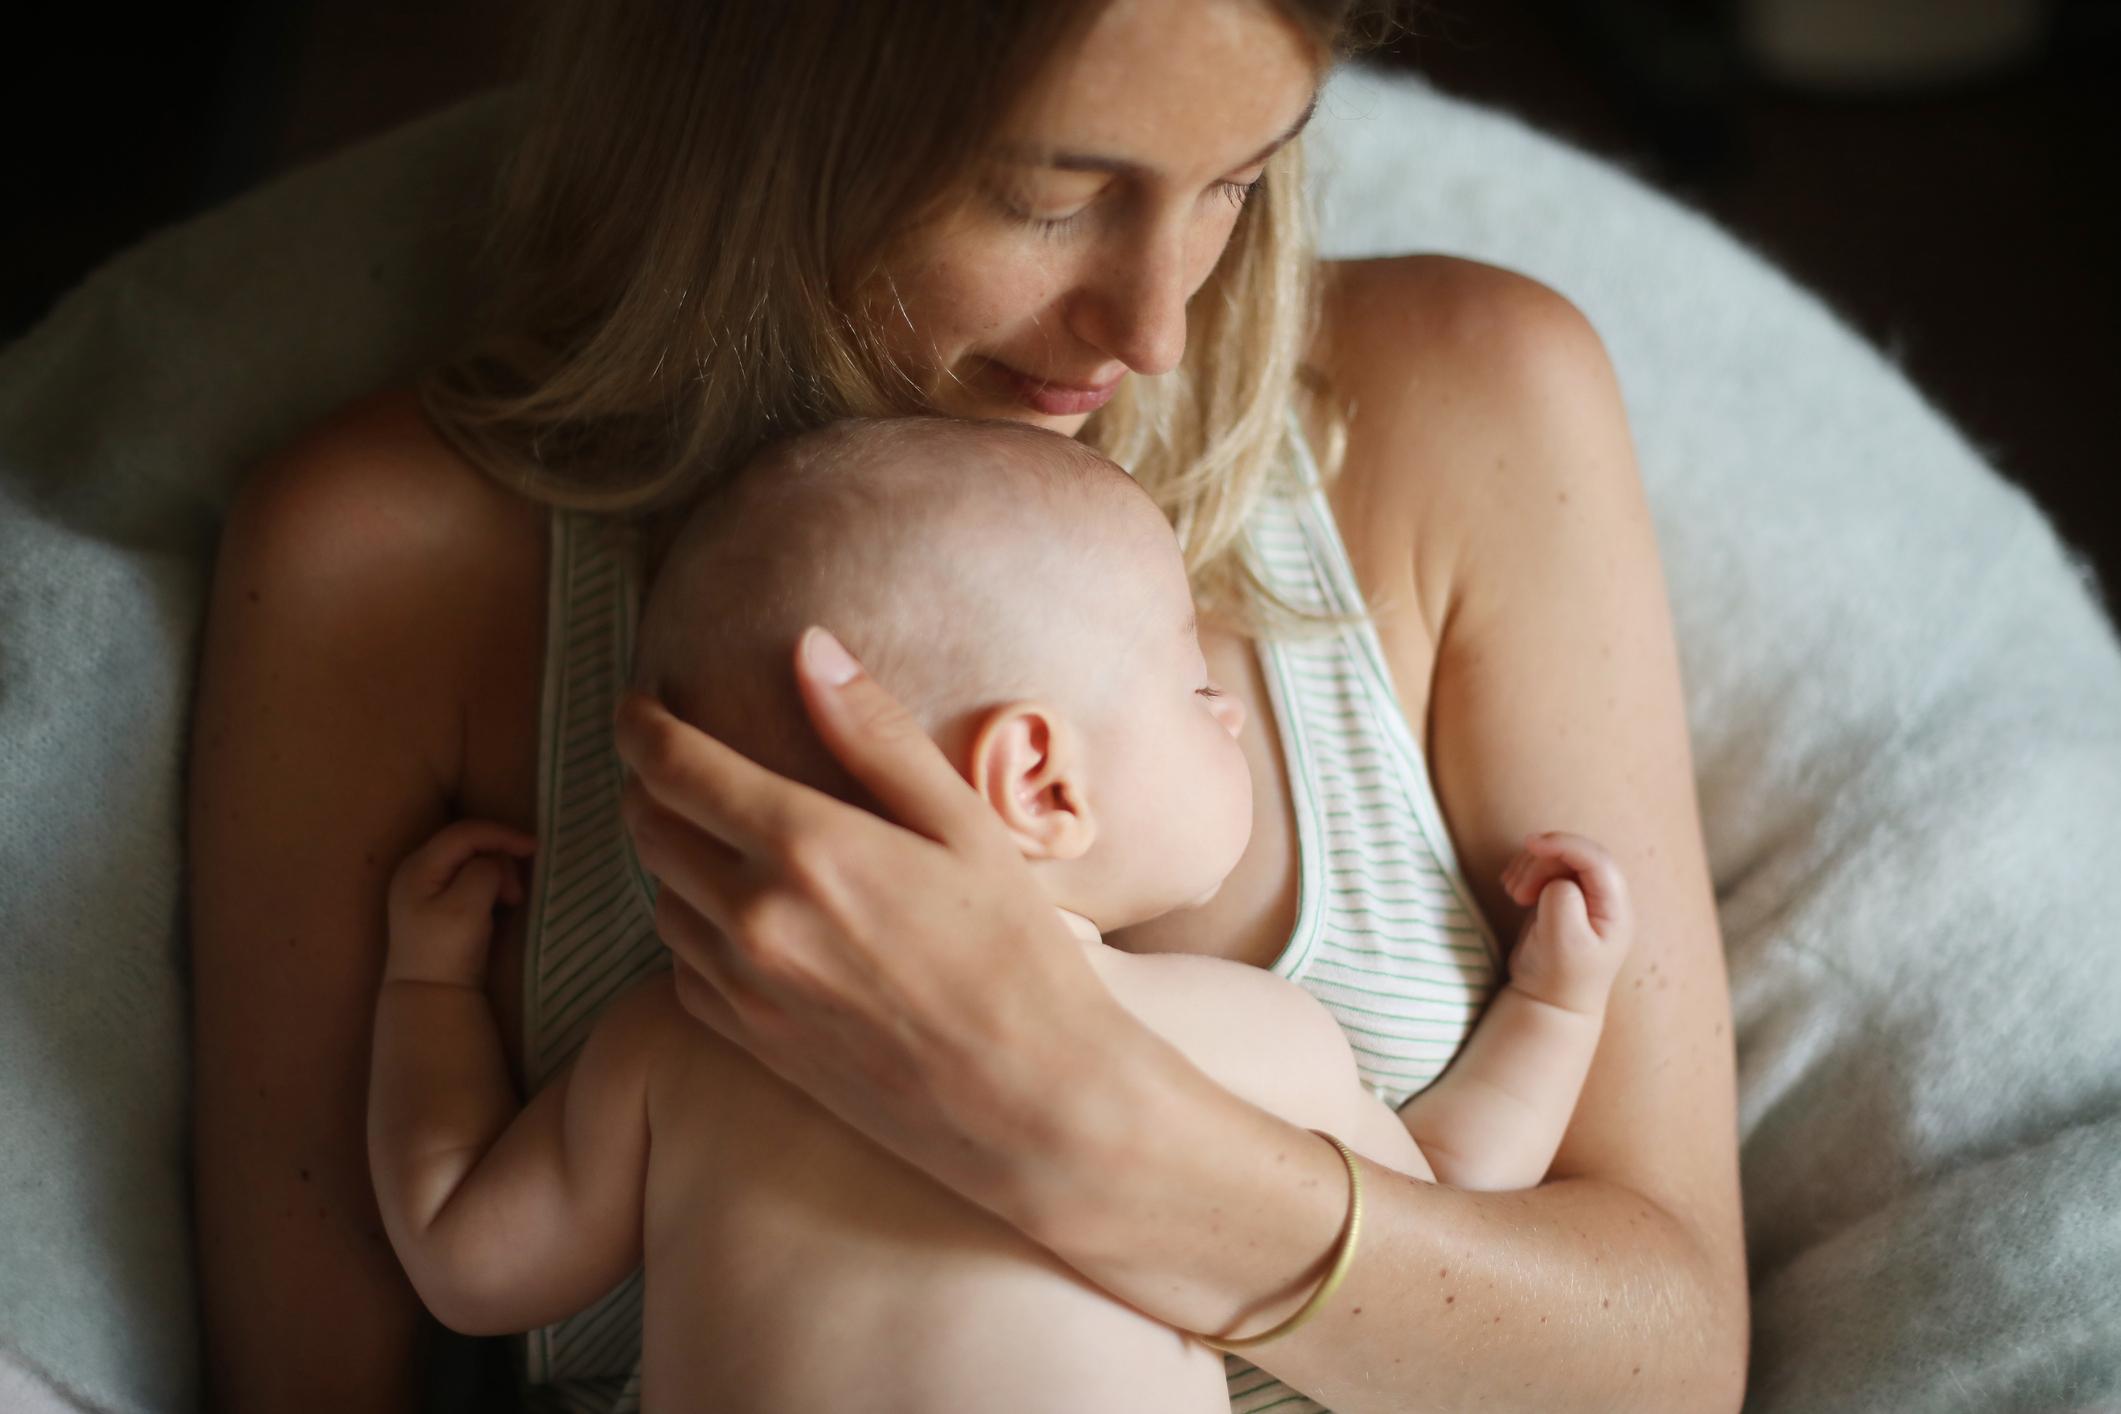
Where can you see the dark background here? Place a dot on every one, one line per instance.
(1968, 224)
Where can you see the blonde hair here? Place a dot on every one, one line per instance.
(700, 189)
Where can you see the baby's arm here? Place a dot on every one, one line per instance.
(1497, 1116)
(504, 1221)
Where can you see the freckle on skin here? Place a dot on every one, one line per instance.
(1450, 1300)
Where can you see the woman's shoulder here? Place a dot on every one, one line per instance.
(369, 551)
(1455, 374)
(375, 486)
(1423, 315)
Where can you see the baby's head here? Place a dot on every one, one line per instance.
(1019, 594)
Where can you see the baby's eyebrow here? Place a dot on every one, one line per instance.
(1192, 623)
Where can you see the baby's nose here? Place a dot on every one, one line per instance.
(1232, 713)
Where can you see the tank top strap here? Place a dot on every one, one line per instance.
(592, 907)
(591, 931)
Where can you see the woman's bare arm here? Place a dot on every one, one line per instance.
(325, 744)
(1557, 704)
(905, 978)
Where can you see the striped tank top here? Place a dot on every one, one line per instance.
(1387, 935)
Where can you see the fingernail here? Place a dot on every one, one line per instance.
(828, 658)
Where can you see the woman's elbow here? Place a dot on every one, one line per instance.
(1725, 1330)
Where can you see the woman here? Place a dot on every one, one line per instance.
(728, 221)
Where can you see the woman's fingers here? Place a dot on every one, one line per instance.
(705, 1003)
(684, 859)
(688, 772)
(885, 748)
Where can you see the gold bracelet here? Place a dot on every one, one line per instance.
(1343, 1258)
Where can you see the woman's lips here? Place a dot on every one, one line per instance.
(1057, 399)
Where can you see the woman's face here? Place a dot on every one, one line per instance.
(1066, 261)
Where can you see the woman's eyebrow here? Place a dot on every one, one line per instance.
(1120, 166)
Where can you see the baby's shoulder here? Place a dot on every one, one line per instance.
(1261, 1036)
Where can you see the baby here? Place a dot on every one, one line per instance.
(1027, 602)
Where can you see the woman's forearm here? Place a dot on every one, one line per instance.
(1216, 1217)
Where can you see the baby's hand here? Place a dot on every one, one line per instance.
(1571, 948)
(442, 899)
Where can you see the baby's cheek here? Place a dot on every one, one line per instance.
(1236, 807)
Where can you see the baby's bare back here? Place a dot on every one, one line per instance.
(794, 1265)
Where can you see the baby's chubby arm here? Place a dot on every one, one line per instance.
(505, 1217)
(1497, 1116)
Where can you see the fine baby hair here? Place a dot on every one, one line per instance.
(948, 555)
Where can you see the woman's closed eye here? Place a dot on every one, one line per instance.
(1024, 209)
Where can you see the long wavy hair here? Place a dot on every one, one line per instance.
(700, 188)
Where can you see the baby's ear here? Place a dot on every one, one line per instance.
(1027, 764)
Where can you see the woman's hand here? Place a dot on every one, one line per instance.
(910, 977)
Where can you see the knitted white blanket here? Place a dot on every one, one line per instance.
(1906, 714)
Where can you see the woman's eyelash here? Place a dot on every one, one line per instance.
(1237, 192)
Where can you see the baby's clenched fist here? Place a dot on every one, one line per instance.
(1582, 923)
(442, 898)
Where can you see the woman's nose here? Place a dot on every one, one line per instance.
(1134, 305)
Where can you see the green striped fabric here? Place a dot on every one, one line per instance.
(592, 928)
(1386, 934)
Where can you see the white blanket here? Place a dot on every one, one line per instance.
(1905, 705)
